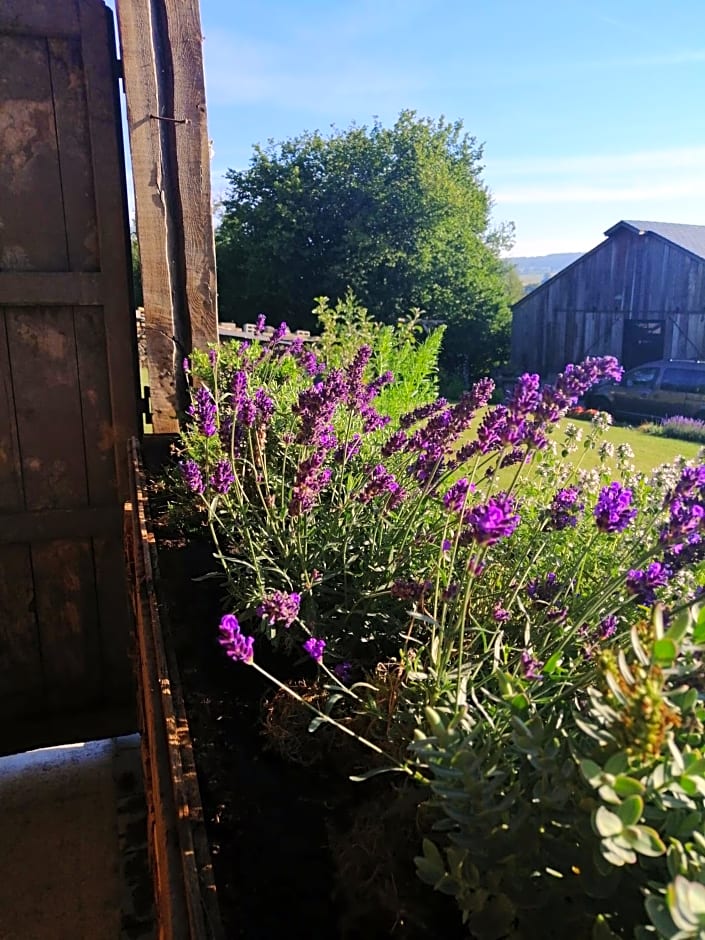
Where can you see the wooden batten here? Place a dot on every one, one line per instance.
(162, 58)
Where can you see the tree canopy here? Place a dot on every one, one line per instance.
(400, 215)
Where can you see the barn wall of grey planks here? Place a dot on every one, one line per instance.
(582, 311)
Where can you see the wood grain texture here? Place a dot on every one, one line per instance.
(24, 288)
(98, 54)
(74, 153)
(20, 656)
(43, 17)
(68, 621)
(30, 180)
(68, 364)
(11, 489)
(141, 91)
(42, 349)
(193, 167)
(161, 48)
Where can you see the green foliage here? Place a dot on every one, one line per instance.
(679, 428)
(536, 839)
(400, 215)
(398, 348)
(559, 732)
(136, 271)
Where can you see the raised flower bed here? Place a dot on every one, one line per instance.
(439, 593)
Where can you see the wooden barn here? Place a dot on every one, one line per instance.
(639, 295)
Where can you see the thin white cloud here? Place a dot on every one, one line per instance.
(660, 192)
(611, 163)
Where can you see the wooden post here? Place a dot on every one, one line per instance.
(166, 111)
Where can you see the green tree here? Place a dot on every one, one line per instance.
(400, 215)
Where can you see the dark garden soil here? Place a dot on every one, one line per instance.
(298, 849)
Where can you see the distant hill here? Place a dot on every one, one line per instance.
(534, 270)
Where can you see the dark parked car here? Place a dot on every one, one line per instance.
(658, 389)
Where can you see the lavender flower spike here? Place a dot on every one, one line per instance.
(492, 521)
(223, 477)
(315, 648)
(279, 607)
(192, 475)
(238, 647)
(613, 511)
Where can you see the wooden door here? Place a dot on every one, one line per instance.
(68, 375)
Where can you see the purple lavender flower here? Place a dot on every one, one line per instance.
(686, 518)
(394, 443)
(316, 407)
(525, 397)
(204, 410)
(212, 357)
(223, 477)
(264, 405)
(613, 511)
(446, 545)
(237, 647)
(454, 499)
(574, 382)
(280, 607)
(500, 614)
(492, 521)
(422, 412)
(343, 672)
(607, 627)
(643, 582)
(280, 332)
(372, 420)
(691, 483)
(379, 482)
(309, 363)
(261, 323)
(186, 365)
(192, 475)
(544, 589)
(311, 478)
(410, 590)
(315, 648)
(532, 667)
(448, 593)
(475, 567)
(566, 505)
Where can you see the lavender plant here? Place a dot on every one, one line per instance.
(465, 544)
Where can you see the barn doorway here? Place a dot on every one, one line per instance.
(643, 342)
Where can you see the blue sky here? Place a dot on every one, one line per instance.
(589, 111)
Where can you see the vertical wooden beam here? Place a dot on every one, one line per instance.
(162, 58)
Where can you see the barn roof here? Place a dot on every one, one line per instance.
(689, 237)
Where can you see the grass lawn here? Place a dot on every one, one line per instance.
(649, 450)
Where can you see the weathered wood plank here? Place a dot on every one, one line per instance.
(41, 17)
(114, 615)
(30, 183)
(74, 151)
(183, 23)
(97, 48)
(11, 492)
(37, 288)
(68, 623)
(20, 655)
(42, 349)
(96, 413)
(136, 30)
(48, 524)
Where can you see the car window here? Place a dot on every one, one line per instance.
(641, 378)
(679, 379)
